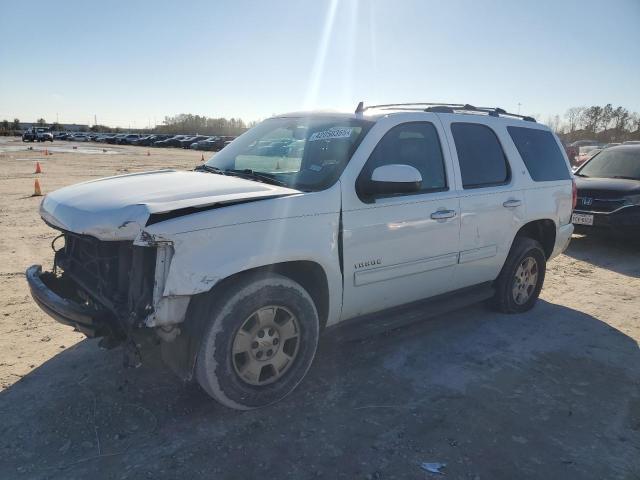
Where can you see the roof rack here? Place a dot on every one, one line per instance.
(444, 108)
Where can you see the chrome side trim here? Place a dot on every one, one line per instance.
(478, 253)
(381, 274)
(594, 212)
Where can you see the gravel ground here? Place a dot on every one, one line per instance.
(550, 394)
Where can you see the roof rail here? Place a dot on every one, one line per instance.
(438, 107)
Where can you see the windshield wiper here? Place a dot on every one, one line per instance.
(625, 178)
(257, 176)
(209, 168)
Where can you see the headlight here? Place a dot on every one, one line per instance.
(632, 200)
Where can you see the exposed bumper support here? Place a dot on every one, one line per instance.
(63, 310)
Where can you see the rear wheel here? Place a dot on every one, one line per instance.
(520, 281)
(259, 343)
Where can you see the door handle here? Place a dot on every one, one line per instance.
(512, 203)
(443, 214)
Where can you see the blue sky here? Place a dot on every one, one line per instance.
(130, 63)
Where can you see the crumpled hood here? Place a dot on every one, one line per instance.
(117, 208)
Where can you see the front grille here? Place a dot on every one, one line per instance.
(118, 275)
(594, 203)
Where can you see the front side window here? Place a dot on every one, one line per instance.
(482, 160)
(305, 153)
(540, 153)
(415, 144)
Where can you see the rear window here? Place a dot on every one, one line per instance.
(482, 160)
(540, 153)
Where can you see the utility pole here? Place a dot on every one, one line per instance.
(519, 104)
(95, 119)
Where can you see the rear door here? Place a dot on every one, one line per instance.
(491, 201)
(404, 247)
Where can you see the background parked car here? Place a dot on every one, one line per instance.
(38, 134)
(187, 142)
(115, 138)
(171, 142)
(127, 139)
(609, 193)
(78, 137)
(585, 153)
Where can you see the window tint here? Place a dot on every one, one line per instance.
(482, 160)
(541, 154)
(415, 144)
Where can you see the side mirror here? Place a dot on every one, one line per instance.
(391, 179)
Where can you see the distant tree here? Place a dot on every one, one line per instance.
(83, 128)
(634, 122)
(186, 123)
(4, 126)
(56, 127)
(41, 121)
(591, 118)
(553, 122)
(16, 125)
(573, 116)
(620, 117)
(607, 114)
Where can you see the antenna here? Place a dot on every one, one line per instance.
(360, 108)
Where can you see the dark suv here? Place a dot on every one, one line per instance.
(609, 192)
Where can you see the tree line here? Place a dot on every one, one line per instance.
(188, 123)
(184, 123)
(604, 123)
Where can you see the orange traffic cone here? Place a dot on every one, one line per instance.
(38, 169)
(46, 152)
(148, 154)
(37, 192)
(202, 158)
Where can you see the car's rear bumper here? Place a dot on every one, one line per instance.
(66, 311)
(563, 238)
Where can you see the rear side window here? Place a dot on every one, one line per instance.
(482, 160)
(540, 153)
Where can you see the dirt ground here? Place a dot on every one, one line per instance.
(550, 394)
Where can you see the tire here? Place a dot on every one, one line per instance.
(229, 352)
(515, 292)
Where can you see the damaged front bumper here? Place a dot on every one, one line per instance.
(48, 291)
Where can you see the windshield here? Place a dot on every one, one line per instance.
(614, 163)
(305, 153)
(587, 149)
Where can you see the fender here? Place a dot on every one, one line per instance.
(209, 246)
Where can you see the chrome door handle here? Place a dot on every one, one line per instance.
(443, 214)
(512, 203)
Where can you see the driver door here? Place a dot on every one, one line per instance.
(402, 247)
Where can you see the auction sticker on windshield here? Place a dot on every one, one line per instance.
(335, 132)
(582, 219)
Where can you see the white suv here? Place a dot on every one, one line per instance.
(304, 222)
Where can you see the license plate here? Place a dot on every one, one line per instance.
(582, 219)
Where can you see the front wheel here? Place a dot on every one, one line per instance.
(260, 340)
(520, 281)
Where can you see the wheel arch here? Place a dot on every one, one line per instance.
(181, 354)
(542, 230)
